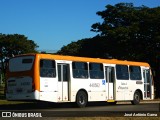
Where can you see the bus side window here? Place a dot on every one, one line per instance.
(122, 72)
(80, 69)
(135, 73)
(47, 68)
(96, 71)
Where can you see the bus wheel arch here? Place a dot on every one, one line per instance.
(137, 97)
(82, 98)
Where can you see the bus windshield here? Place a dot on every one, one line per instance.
(23, 63)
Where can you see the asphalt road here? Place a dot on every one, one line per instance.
(91, 110)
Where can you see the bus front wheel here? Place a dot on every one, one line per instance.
(136, 98)
(81, 99)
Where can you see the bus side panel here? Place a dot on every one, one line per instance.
(95, 89)
(125, 89)
(47, 86)
(48, 89)
(121, 90)
(133, 86)
(76, 85)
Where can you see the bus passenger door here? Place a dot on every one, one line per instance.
(147, 83)
(109, 71)
(63, 82)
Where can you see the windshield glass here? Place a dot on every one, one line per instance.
(23, 63)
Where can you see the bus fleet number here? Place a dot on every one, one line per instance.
(94, 85)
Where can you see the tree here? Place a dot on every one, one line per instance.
(14, 44)
(88, 47)
(131, 28)
(135, 32)
(127, 32)
(71, 49)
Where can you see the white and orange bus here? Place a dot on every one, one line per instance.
(57, 78)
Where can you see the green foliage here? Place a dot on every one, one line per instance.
(127, 32)
(135, 30)
(71, 49)
(14, 44)
(11, 45)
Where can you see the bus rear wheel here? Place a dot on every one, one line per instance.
(136, 98)
(81, 99)
(113, 103)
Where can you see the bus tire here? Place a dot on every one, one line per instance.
(81, 99)
(113, 103)
(136, 98)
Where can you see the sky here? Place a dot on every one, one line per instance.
(52, 24)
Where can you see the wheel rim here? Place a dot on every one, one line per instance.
(137, 97)
(81, 99)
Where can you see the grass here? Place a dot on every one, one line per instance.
(5, 102)
(2, 96)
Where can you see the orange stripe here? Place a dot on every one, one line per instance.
(96, 60)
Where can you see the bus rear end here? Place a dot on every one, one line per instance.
(20, 83)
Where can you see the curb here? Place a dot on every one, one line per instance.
(143, 101)
(150, 101)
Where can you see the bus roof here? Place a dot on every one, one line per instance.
(86, 59)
